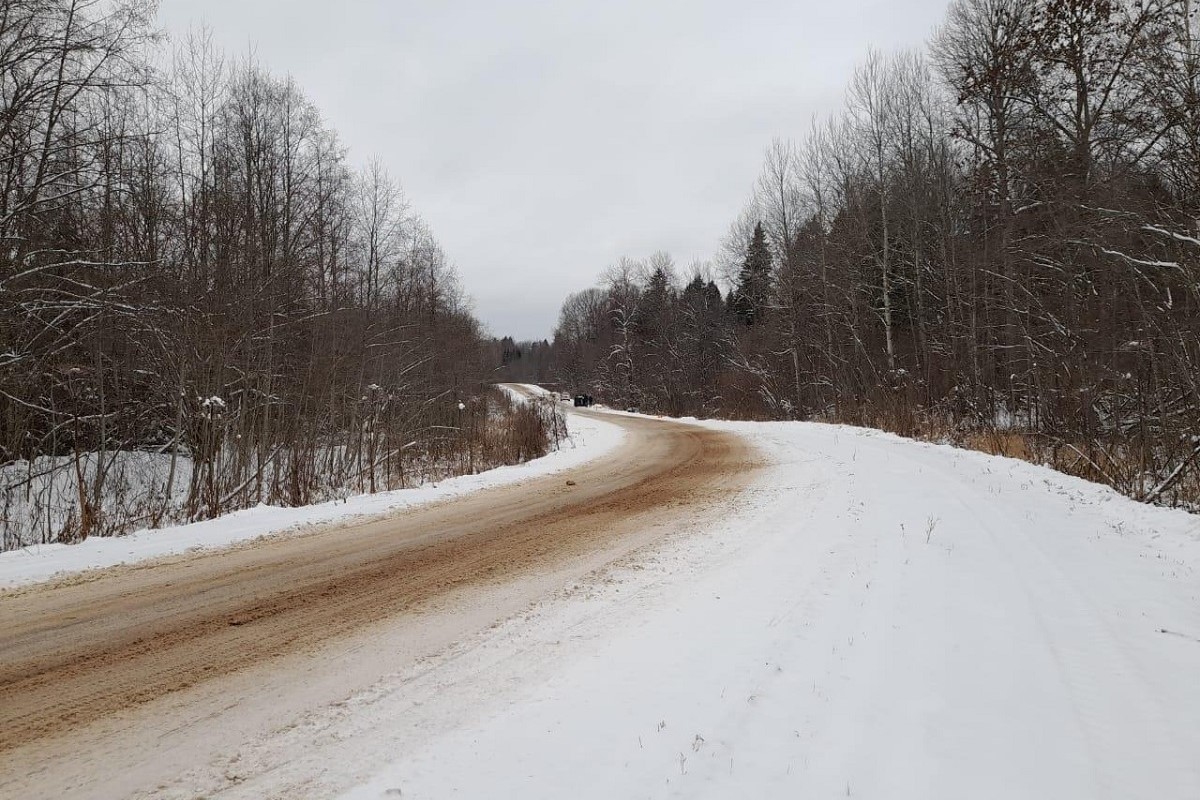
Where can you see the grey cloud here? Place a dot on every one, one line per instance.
(542, 141)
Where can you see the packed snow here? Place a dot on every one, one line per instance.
(871, 617)
(588, 439)
(874, 617)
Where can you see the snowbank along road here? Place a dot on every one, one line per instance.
(85, 661)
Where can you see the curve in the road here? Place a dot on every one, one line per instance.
(74, 653)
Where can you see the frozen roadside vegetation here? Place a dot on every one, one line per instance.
(588, 439)
(84, 494)
(40, 498)
(875, 617)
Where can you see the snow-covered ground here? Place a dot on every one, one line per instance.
(589, 439)
(872, 617)
(39, 498)
(875, 618)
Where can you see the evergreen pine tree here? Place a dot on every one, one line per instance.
(754, 281)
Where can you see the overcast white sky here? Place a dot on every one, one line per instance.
(544, 140)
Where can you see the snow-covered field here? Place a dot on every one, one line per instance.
(39, 498)
(874, 618)
(589, 439)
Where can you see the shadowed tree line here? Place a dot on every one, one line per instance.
(997, 241)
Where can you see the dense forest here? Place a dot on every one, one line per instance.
(203, 304)
(996, 242)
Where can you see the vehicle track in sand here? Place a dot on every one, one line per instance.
(79, 650)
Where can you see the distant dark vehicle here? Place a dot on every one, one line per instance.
(584, 400)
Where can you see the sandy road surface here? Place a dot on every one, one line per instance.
(83, 662)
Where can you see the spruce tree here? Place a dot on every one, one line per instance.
(754, 281)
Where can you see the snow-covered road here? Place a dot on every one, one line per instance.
(868, 617)
(875, 618)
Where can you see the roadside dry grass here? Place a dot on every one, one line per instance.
(1171, 479)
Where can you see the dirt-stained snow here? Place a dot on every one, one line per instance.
(869, 617)
(589, 439)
